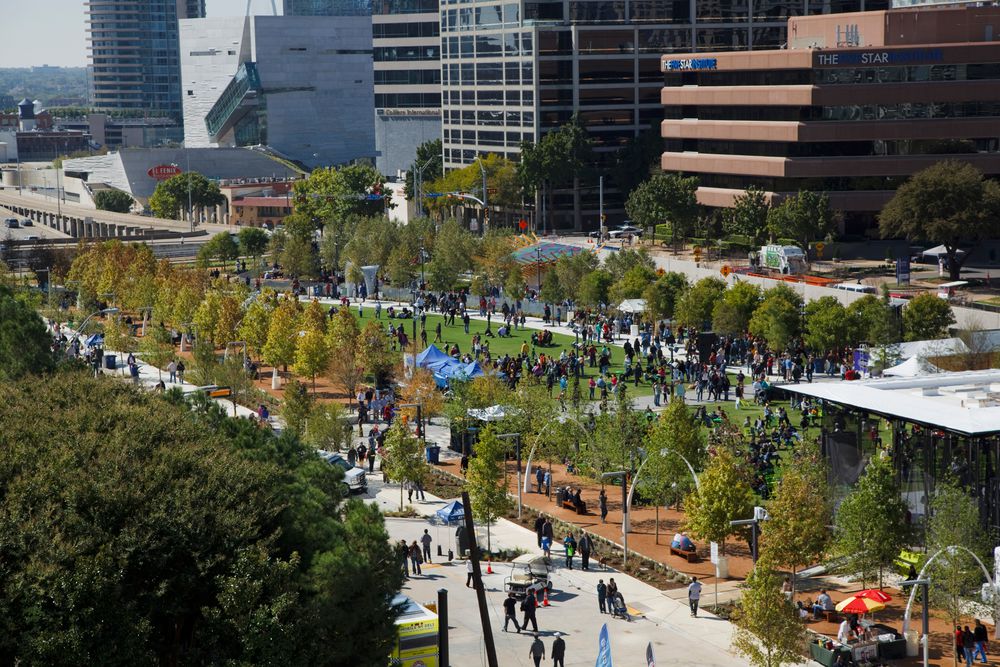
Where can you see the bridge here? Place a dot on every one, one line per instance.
(86, 223)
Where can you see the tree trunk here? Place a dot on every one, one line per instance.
(657, 523)
(954, 265)
(793, 582)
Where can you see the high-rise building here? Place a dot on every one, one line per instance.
(133, 51)
(512, 71)
(299, 85)
(327, 7)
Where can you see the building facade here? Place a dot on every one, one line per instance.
(855, 106)
(134, 56)
(302, 86)
(513, 71)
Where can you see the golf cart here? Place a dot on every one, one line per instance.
(528, 573)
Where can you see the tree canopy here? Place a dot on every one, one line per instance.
(171, 196)
(804, 217)
(25, 346)
(117, 201)
(665, 199)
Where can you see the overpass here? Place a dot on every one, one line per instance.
(87, 223)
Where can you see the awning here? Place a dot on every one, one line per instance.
(633, 306)
(939, 251)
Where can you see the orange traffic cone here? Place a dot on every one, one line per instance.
(489, 566)
(545, 600)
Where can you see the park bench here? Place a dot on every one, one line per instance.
(568, 504)
(690, 556)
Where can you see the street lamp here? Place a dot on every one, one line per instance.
(419, 184)
(759, 514)
(482, 169)
(623, 474)
(925, 584)
(517, 453)
(103, 311)
(663, 452)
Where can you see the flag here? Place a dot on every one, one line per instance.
(604, 648)
(650, 659)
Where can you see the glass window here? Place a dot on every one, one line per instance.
(467, 48)
(511, 14)
(512, 73)
(491, 97)
(510, 44)
(488, 45)
(489, 73)
(488, 16)
(601, 11)
(514, 98)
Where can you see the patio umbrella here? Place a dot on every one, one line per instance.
(874, 594)
(858, 605)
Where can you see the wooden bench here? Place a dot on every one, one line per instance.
(829, 615)
(568, 504)
(691, 556)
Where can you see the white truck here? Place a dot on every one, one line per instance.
(354, 476)
(786, 259)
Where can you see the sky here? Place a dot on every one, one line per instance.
(50, 32)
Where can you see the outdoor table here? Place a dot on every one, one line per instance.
(825, 656)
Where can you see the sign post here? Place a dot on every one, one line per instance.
(903, 270)
(714, 559)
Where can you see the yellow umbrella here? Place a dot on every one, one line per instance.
(859, 605)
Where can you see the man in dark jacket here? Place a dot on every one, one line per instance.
(510, 612)
(539, 524)
(528, 606)
(982, 640)
(586, 545)
(558, 651)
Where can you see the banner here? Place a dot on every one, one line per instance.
(650, 659)
(604, 648)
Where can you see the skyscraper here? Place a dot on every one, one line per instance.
(134, 54)
(327, 7)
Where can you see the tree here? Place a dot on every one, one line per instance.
(374, 355)
(665, 199)
(230, 315)
(422, 389)
(874, 319)
(233, 373)
(695, 305)
(593, 289)
(298, 257)
(662, 295)
(748, 215)
(222, 247)
(559, 159)
(404, 456)
(955, 522)
(328, 428)
(171, 196)
(768, 630)
(118, 337)
(829, 325)
(282, 334)
(116, 201)
(948, 203)
(552, 291)
(253, 241)
(804, 217)
(25, 345)
(486, 480)
(452, 255)
(296, 407)
(870, 541)
(331, 196)
(426, 154)
(632, 284)
(778, 319)
(157, 348)
(796, 534)
(725, 495)
(927, 317)
(623, 261)
(256, 321)
(637, 158)
(342, 339)
(572, 269)
(312, 355)
(732, 312)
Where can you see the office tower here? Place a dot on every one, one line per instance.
(133, 51)
(327, 7)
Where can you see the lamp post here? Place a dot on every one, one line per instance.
(759, 514)
(419, 184)
(103, 311)
(925, 584)
(482, 169)
(623, 474)
(517, 453)
(663, 452)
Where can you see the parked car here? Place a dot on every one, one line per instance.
(625, 230)
(11, 223)
(26, 222)
(355, 480)
(32, 237)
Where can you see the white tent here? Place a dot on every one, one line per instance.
(939, 251)
(633, 306)
(912, 367)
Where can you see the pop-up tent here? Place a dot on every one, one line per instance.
(451, 513)
(94, 340)
(446, 368)
(432, 357)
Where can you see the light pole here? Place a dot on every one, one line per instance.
(663, 452)
(103, 311)
(419, 184)
(517, 453)
(482, 169)
(623, 474)
(924, 583)
(759, 514)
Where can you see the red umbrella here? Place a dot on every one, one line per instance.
(874, 594)
(859, 605)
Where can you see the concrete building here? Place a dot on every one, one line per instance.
(133, 53)
(511, 72)
(853, 107)
(300, 85)
(258, 202)
(115, 132)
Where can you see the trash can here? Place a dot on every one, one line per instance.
(462, 543)
(433, 454)
(560, 496)
(110, 362)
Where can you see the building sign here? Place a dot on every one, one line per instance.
(878, 57)
(164, 171)
(848, 35)
(903, 271)
(689, 64)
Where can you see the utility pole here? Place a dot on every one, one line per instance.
(443, 658)
(477, 581)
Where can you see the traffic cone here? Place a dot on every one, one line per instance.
(489, 566)
(545, 600)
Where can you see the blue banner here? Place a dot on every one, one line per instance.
(604, 648)
(650, 658)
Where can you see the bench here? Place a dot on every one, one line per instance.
(829, 615)
(907, 558)
(691, 556)
(568, 504)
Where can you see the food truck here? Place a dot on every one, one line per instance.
(417, 638)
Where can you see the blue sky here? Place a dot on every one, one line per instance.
(50, 32)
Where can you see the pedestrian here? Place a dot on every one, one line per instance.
(352, 457)
(404, 553)
(548, 482)
(539, 478)
(180, 371)
(371, 460)
(425, 540)
(539, 524)
(602, 501)
(602, 594)
(569, 544)
(537, 650)
(415, 557)
(586, 545)
(468, 573)
(510, 612)
(172, 370)
(547, 535)
(982, 639)
(694, 594)
(968, 645)
(528, 605)
(558, 651)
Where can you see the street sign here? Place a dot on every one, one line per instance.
(220, 392)
(903, 271)
(725, 270)
(714, 556)
(523, 224)
(164, 171)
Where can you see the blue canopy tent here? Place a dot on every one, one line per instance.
(94, 340)
(451, 513)
(446, 368)
(432, 357)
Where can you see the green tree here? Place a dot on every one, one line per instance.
(623, 261)
(453, 250)
(732, 312)
(342, 339)
(695, 305)
(233, 373)
(222, 247)
(486, 481)
(552, 290)
(312, 355)
(253, 241)
(116, 201)
(404, 457)
(948, 203)
(429, 158)
(593, 288)
(282, 334)
(778, 319)
(206, 318)
(632, 284)
(748, 215)
(328, 427)
(662, 295)
(725, 495)
(829, 325)
(331, 196)
(674, 438)
(665, 199)
(768, 630)
(559, 159)
(157, 348)
(927, 317)
(797, 534)
(870, 541)
(171, 196)
(256, 322)
(25, 345)
(572, 269)
(804, 217)
(296, 407)
(118, 337)
(298, 257)
(637, 159)
(374, 354)
(874, 319)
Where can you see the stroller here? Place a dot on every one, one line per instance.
(618, 608)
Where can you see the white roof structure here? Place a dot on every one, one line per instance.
(967, 402)
(912, 367)
(632, 306)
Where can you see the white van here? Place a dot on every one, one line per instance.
(856, 287)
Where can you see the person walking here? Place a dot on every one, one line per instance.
(539, 478)
(529, 605)
(694, 595)
(968, 646)
(547, 535)
(404, 554)
(468, 573)
(602, 595)
(180, 371)
(415, 558)
(537, 651)
(982, 640)
(569, 544)
(371, 460)
(586, 545)
(558, 651)
(510, 612)
(172, 370)
(539, 525)
(425, 540)
(602, 501)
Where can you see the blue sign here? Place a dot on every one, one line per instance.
(903, 271)
(691, 63)
(604, 648)
(650, 658)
